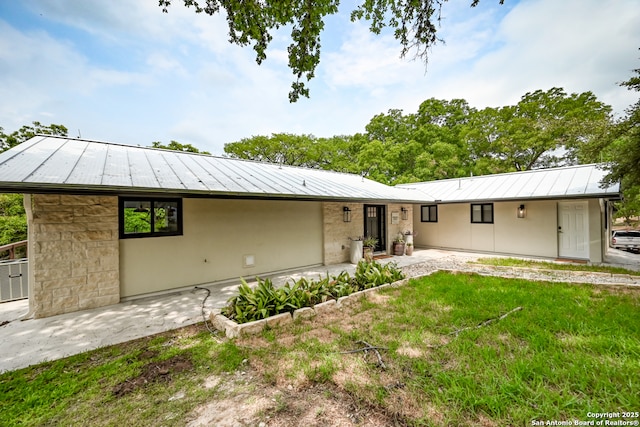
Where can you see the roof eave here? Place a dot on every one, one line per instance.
(44, 188)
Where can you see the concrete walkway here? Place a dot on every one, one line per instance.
(28, 342)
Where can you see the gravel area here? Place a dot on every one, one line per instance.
(458, 263)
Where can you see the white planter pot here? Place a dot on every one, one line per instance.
(356, 251)
(408, 238)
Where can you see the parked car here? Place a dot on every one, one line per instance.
(626, 240)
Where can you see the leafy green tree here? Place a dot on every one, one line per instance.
(622, 154)
(424, 146)
(414, 24)
(336, 153)
(545, 129)
(13, 220)
(27, 132)
(176, 146)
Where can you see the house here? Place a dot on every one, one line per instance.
(110, 222)
(551, 213)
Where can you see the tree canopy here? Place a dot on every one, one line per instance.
(29, 131)
(177, 146)
(449, 139)
(414, 24)
(621, 151)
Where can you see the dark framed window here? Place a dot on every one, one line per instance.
(149, 217)
(482, 213)
(429, 213)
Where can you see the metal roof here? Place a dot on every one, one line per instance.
(580, 181)
(61, 164)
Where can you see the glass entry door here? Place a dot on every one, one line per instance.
(374, 225)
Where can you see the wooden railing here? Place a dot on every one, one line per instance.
(11, 248)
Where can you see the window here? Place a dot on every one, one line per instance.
(150, 217)
(429, 213)
(482, 213)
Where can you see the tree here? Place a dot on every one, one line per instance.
(401, 148)
(26, 132)
(176, 146)
(625, 161)
(622, 152)
(545, 129)
(414, 25)
(336, 153)
(13, 220)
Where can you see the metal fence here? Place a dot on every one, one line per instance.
(14, 280)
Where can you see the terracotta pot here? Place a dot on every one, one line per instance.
(409, 250)
(398, 249)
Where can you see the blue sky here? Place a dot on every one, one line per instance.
(123, 71)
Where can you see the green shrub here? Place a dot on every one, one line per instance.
(264, 300)
(371, 274)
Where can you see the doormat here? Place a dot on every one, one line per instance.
(381, 256)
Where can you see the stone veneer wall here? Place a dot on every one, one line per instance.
(337, 232)
(73, 253)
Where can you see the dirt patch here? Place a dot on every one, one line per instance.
(324, 405)
(152, 373)
(411, 352)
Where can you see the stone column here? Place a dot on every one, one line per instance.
(73, 253)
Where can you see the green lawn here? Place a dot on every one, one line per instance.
(570, 350)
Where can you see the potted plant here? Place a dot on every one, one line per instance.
(409, 249)
(398, 245)
(369, 244)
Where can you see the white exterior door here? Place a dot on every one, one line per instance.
(573, 229)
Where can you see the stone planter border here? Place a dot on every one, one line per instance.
(232, 329)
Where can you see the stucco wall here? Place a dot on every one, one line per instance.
(218, 235)
(73, 253)
(534, 235)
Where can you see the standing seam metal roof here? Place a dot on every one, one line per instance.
(61, 164)
(580, 181)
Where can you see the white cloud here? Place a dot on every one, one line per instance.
(580, 45)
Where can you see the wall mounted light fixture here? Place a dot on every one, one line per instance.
(405, 213)
(346, 214)
(522, 212)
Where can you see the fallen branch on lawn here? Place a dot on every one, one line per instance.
(486, 322)
(366, 350)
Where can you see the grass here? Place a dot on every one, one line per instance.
(515, 262)
(572, 349)
(88, 386)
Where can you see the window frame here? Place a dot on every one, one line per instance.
(483, 220)
(429, 218)
(151, 201)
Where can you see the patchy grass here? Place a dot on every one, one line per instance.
(570, 350)
(515, 262)
(137, 383)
